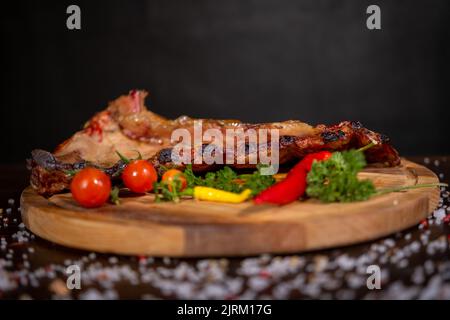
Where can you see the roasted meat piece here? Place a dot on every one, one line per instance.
(343, 136)
(127, 126)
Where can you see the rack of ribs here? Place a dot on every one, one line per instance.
(128, 127)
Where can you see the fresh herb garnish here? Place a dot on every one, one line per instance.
(257, 182)
(169, 191)
(224, 179)
(335, 179)
(191, 178)
(228, 180)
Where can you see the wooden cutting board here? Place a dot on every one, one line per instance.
(192, 228)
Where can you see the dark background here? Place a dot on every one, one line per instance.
(263, 60)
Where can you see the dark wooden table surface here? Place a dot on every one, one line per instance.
(414, 264)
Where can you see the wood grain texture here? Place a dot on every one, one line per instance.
(193, 229)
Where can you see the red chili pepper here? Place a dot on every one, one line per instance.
(307, 161)
(294, 185)
(285, 191)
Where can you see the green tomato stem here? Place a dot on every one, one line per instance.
(123, 158)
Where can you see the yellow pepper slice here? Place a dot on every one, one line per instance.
(216, 195)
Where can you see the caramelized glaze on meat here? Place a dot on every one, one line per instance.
(127, 126)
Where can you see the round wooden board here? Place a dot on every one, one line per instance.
(192, 229)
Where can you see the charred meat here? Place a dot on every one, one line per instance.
(127, 126)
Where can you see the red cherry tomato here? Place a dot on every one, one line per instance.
(139, 176)
(171, 175)
(90, 187)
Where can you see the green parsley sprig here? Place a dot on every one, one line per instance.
(169, 191)
(335, 179)
(224, 179)
(228, 180)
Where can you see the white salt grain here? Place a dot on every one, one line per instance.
(113, 260)
(429, 267)
(389, 242)
(258, 283)
(432, 289)
(403, 263)
(439, 215)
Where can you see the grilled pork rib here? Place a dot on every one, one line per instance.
(127, 126)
